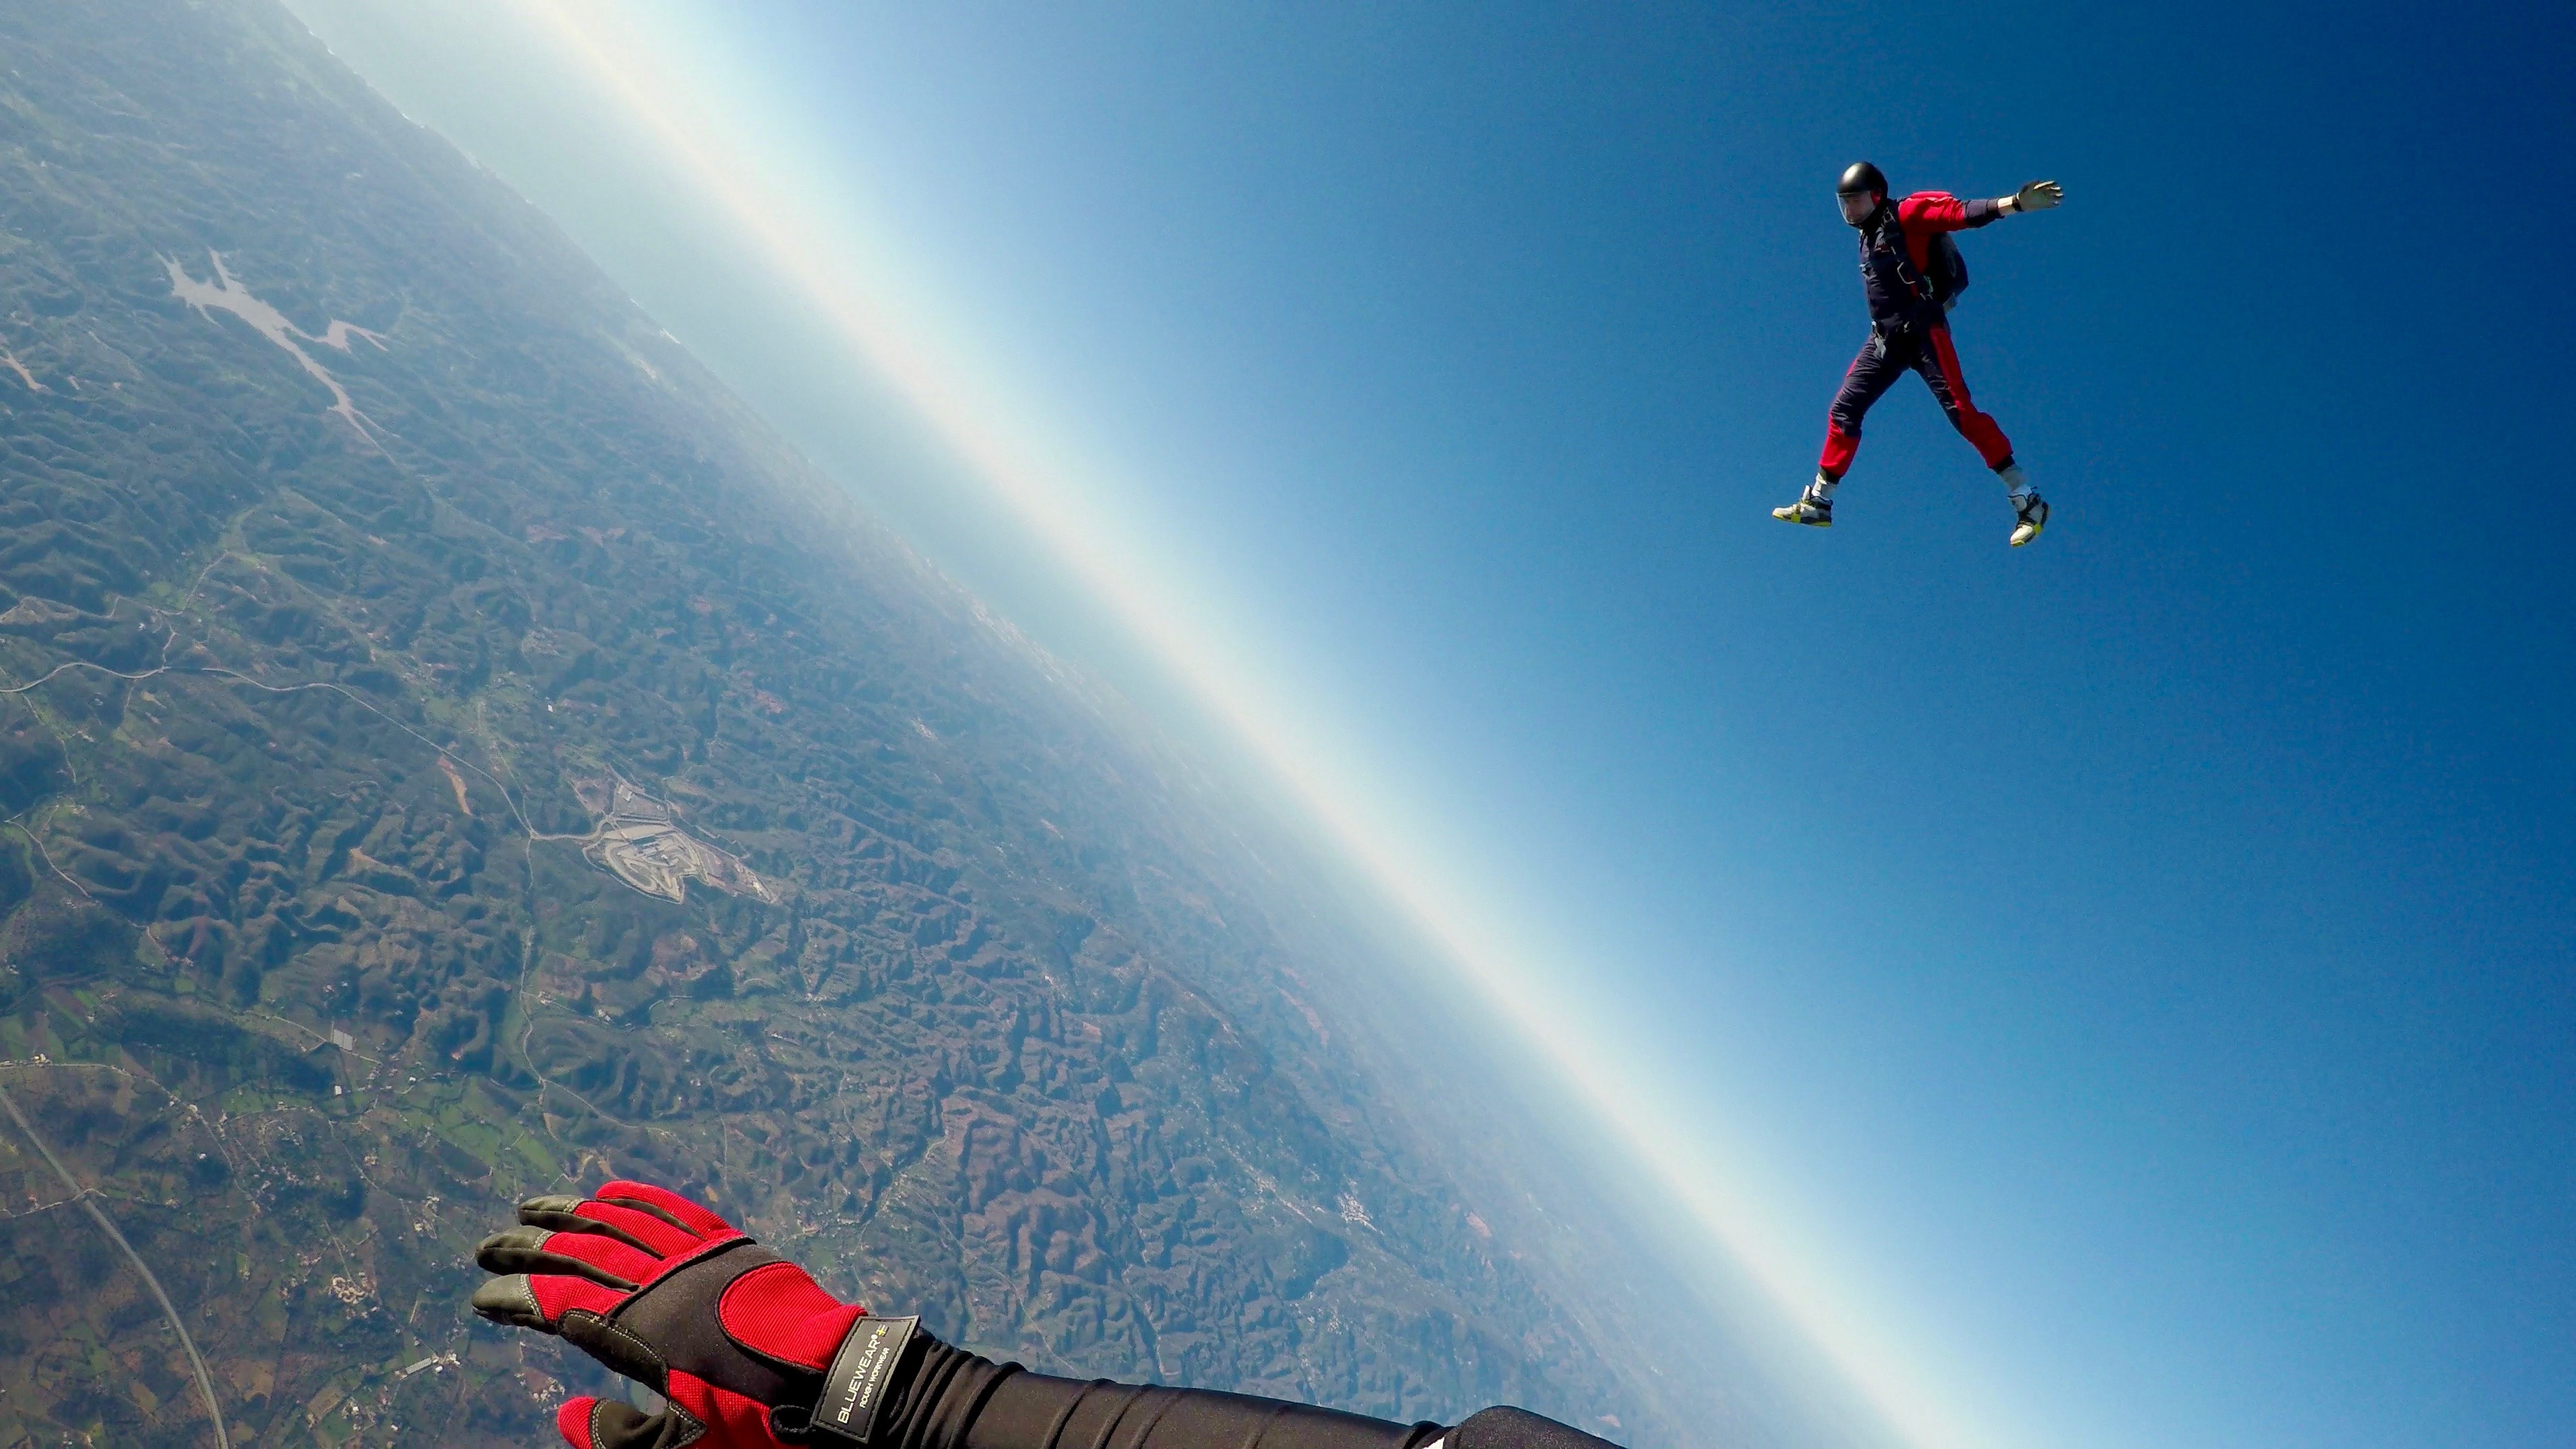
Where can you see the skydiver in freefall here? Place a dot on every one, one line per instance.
(748, 1352)
(1912, 273)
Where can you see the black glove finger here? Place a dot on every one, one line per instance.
(523, 1250)
(642, 1227)
(511, 1302)
(623, 1426)
(540, 1301)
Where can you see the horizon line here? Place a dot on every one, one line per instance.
(899, 348)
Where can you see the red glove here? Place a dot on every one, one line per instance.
(739, 1341)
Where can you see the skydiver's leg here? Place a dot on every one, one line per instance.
(1868, 378)
(1938, 361)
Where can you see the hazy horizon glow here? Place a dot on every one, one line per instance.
(904, 345)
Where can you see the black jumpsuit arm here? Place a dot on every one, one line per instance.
(955, 1400)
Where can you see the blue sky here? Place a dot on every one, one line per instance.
(2137, 965)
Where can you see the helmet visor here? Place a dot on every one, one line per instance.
(1857, 205)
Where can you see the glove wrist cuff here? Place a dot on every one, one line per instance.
(860, 1382)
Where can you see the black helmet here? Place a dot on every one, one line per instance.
(1861, 177)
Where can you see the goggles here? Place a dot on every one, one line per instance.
(1857, 205)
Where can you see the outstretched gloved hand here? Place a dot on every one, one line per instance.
(2038, 196)
(740, 1341)
(751, 1354)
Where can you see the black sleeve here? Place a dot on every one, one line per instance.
(1983, 210)
(952, 1399)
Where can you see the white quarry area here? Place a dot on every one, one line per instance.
(224, 294)
(638, 842)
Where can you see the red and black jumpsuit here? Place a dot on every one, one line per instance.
(1908, 329)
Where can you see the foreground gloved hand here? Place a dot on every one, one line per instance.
(740, 1341)
(2038, 196)
(753, 1354)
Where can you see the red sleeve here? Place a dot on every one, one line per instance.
(1926, 214)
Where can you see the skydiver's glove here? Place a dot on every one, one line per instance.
(750, 1353)
(740, 1342)
(2038, 196)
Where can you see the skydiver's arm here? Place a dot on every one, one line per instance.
(956, 1400)
(1927, 212)
(747, 1351)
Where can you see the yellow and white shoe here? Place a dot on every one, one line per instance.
(2033, 513)
(1810, 510)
